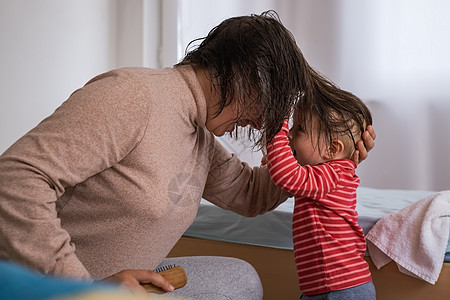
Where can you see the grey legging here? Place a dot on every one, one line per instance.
(217, 278)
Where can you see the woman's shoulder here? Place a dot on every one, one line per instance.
(133, 73)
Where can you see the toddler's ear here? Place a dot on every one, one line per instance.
(336, 150)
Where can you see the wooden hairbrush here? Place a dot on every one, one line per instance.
(175, 275)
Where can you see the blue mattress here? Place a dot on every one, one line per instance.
(273, 229)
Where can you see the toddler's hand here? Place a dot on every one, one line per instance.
(264, 160)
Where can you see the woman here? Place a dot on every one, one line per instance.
(105, 186)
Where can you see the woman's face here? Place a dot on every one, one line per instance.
(231, 116)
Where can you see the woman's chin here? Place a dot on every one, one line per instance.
(222, 130)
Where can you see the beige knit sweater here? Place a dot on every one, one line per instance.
(112, 179)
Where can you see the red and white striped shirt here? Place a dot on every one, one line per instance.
(329, 245)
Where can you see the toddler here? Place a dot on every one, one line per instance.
(312, 160)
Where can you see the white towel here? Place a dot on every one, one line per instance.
(415, 237)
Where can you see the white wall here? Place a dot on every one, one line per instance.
(49, 48)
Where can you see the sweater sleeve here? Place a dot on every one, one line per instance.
(235, 186)
(305, 181)
(96, 127)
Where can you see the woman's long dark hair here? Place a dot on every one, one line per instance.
(254, 57)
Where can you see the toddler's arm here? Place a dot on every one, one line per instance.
(288, 174)
(284, 169)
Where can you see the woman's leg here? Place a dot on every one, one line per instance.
(217, 278)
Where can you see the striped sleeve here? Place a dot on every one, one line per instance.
(306, 181)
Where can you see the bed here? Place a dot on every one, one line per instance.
(266, 242)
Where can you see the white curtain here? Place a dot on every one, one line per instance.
(392, 54)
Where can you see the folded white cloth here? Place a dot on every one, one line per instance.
(415, 237)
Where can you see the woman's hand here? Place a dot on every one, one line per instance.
(132, 279)
(365, 145)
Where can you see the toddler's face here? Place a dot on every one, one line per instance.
(304, 147)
